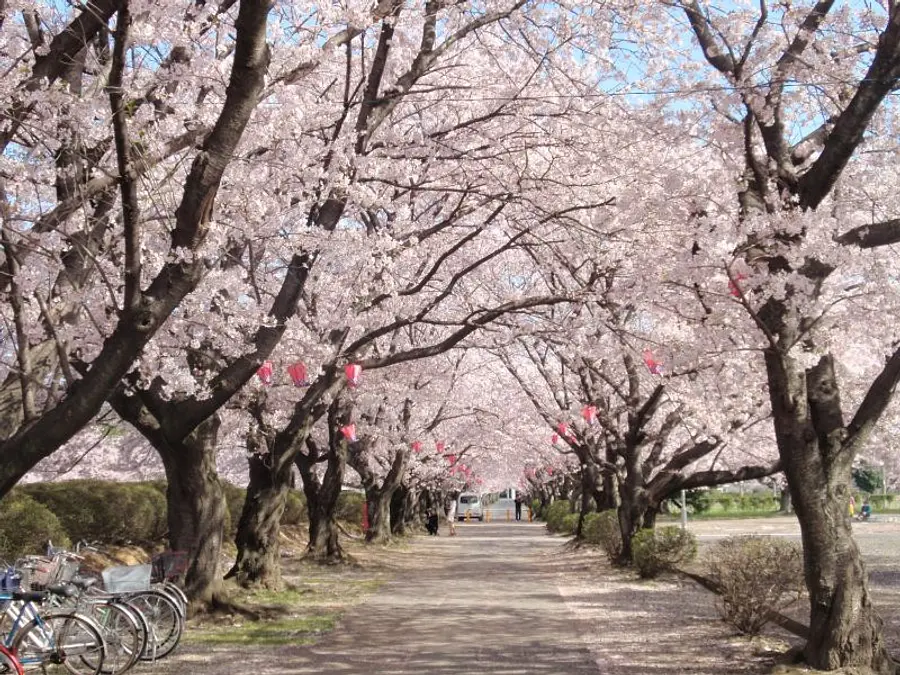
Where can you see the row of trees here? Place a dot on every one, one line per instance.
(661, 226)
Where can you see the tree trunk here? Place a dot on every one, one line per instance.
(404, 511)
(633, 504)
(379, 517)
(196, 506)
(321, 503)
(258, 558)
(845, 630)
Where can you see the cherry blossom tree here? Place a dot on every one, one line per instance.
(797, 120)
(149, 289)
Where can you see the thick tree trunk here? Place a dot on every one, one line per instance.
(845, 629)
(258, 558)
(321, 503)
(405, 515)
(196, 506)
(379, 517)
(633, 504)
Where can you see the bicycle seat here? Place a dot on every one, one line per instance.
(65, 590)
(29, 596)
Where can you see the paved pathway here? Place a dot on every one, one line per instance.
(489, 604)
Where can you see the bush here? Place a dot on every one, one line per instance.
(570, 523)
(234, 505)
(656, 551)
(294, 509)
(555, 513)
(603, 529)
(698, 500)
(104, 510)
(349, 507)
(755, 574)
(25, 527)
(536, 509)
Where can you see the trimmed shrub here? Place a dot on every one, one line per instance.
(603, 529)
(349, 507)
(234, 501)
(104, 510)
(570, 523)
(536, 509)
(294, 509)
(555, 513)
(660, 550)
(756, 575)
(25, 527)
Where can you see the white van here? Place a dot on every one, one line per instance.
(469, 504)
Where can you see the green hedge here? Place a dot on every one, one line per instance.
(25, 527)
(554, 515)
(662, 549)
(717, 501)
(105, 511)
(349, 507)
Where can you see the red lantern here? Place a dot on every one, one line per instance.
(451, 459)
(733, 287)
(265, 372)
(654, 366)
(349, 432)
(352, 371)
(297, 371)
(416, 446)
(589, 413)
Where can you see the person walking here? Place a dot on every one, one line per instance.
(518, 506)
(451, 516)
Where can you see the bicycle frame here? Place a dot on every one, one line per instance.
(12, 660)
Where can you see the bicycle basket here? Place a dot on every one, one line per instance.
(127, 578)
(37, 572)
(10, 580)
(169, 565)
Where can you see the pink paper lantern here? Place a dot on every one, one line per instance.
(451, 459)
(349, 432)
(733, 287)
(297, 371)
(654, 366)
(353, 372)
(416, 446)
(554, 439)
(589, 413)
(439, 446)
(265, 372)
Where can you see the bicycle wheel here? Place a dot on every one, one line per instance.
(122, 634)
(9, 665)
(176, 592)
(60, 642)
(164, 619)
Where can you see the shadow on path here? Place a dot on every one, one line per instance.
(488, 603)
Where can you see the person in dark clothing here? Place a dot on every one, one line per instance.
(431, 522)
(518, 507)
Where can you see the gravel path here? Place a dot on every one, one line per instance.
(508, 599)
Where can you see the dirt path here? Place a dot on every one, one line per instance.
(508, 598)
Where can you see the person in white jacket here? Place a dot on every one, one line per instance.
(451, 517)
